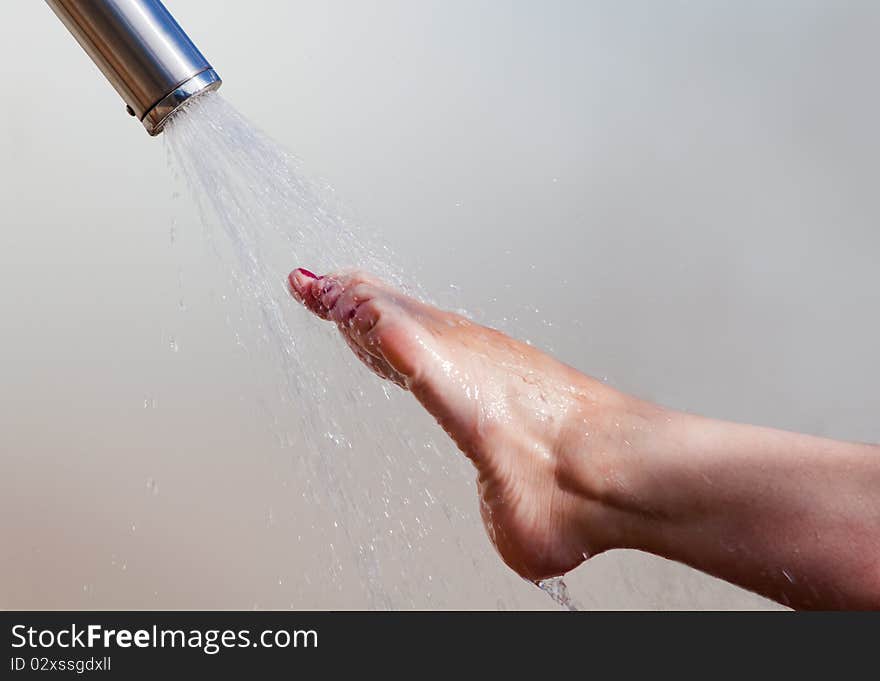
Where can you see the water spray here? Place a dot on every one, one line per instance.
(143, 52)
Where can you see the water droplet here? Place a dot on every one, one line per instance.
(556, 588)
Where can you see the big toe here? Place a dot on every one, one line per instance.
(301, 284)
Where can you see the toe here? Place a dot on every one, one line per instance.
(328, 290)
(299, 281)
(364, 318)
(344, 302)
(302, 285)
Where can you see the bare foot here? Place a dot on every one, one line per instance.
(523, 418)
(568, 467)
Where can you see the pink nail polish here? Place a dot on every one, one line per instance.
(310, 275)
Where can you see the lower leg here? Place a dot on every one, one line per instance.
(568, 467)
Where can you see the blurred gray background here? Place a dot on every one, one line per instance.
(677, 197)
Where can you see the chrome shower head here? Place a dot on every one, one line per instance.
(142, 51)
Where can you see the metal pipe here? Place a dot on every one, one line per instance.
(142, 51)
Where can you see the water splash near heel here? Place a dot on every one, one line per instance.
(556, 588)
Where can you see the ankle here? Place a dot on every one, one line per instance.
(607, 458)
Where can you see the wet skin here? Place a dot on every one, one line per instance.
(568, 467)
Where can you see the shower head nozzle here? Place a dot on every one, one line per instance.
(142, 51)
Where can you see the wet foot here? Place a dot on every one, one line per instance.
(540, 433)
